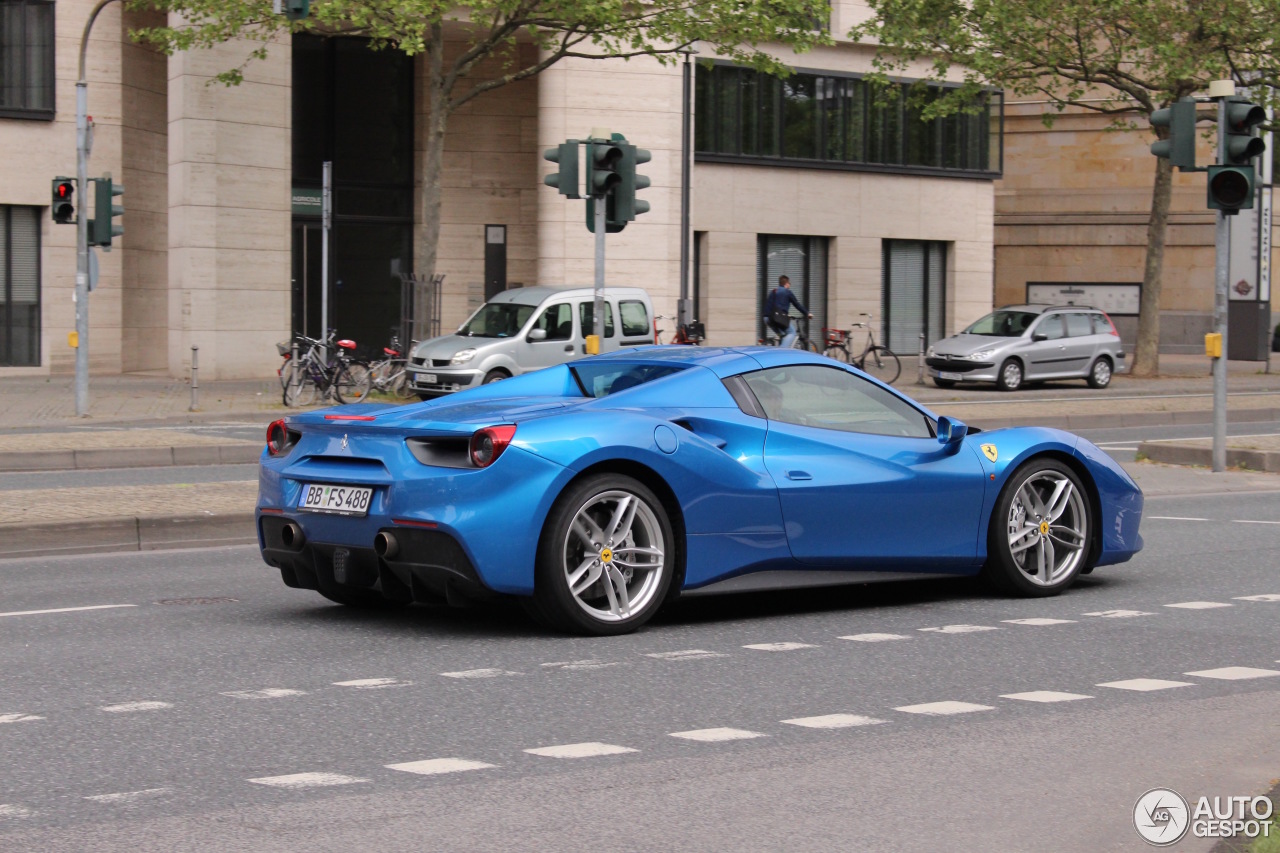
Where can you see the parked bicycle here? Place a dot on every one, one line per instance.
(310, 376)
(875, 360)
(389, 374)
(692, 333)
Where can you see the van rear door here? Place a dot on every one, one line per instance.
(637, 322)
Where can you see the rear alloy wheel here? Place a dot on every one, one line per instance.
(1040, 535)
(1100, 374)
(606, 557)
(1010, 378)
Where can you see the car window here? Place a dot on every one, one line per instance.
(635, 319)
(586, 316)
(609, 377)
(1101, 325)
(832, 398)
(1002, 324)
(497, 320)
(557, 322)
(1078, 325)
(1050, 327)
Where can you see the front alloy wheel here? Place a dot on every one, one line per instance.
(1010, 378)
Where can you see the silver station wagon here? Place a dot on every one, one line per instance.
(1019, 344)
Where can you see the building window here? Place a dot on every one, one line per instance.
(914, 296)
(804, 261)
(19, 286)
(832, 121)
(26, 59)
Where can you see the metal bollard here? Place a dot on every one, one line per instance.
(920, 362)
(195, 383)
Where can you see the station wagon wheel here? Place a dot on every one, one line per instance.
(1100, 374)
(1010, 378)
(1041, 532)
(606, 556)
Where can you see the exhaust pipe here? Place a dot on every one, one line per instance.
(385, 545)
(291, 536)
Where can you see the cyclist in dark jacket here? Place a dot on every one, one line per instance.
(780, 300)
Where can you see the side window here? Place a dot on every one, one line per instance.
(1050, 327)
(586, 317)
(635, 319)
(832, 398)
(1078, 325)
(557, 321)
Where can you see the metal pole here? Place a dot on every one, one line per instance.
(326, 220)
(684, 310)
(598, 309)
(1222, 246)
(920, 362)
(195, 380)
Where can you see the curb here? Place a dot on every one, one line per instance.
(127, 533)
(130, 457)
(1171, 453)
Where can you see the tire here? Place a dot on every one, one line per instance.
(1010, 376)
(1100, 373)
(578, 523)
(944, 383)
(361, 598)
(351, 388)
(301, 389)
(495, 376)
(400, 388)
(839, 354)
(882, 364)
(1038, 545)
(812, 347)
(285, 368)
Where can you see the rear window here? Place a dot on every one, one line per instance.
(635, 319)
(609, 377)
(1078, 325)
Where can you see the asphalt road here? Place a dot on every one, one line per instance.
(218, 710)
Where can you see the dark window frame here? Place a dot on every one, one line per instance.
(49, 88)
(886, 299)
(6, 287)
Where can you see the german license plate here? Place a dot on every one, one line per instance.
(339, 500)
(429, 378)
(955, 377)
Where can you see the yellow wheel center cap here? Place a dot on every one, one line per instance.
(607, 554)
(1044, 528)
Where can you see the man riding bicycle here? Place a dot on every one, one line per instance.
(777, 311)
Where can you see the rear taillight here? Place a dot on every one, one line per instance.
(277, 438)
(1111, 323)
(487, 444)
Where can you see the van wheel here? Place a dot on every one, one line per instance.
(1100, 374)
(495, 376)
(1010, 378)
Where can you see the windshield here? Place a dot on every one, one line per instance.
(1003, 324)
(497, 320)
(601, 380)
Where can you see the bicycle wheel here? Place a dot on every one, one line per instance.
(880, 363)
(352, 386)
(812, 347)
(301, 388)
(837, 354)
(399, 385)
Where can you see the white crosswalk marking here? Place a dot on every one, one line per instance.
(834, 721)
(875, 638)
(1045, 696)
(307, 780)
(1234, 673)
(1199, 605)
(960, 629)
(129, 796)
(10, 811)
(590, 749)
(266, 693)
(1037, 620)
(435, 766)
(942, 709)
(1119, 614)
(129, 707)
(779, 647)
(575, 665)
(479, 673)
(686, 654)
(1145, 685)
(1270, 596)
(372, 683)
(19, 718)
(715, 735)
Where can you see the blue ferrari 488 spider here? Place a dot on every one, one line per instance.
(598, 490)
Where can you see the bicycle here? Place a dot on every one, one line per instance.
(692, 333)
(802, 342)
(308, 377)
(875, 360)
(389, 374)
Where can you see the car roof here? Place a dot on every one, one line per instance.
(538, 294)
(1034, 308)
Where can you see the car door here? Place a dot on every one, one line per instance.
(862, 481)
(1047, 352)
(556, 342)
(1079, 344)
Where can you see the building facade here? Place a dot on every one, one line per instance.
(865, 206)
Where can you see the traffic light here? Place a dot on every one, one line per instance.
(627, 207)
(566, 179)
(63, 206)
(1180, 146)
(103, 226)
(294, 10)
(603, 160)
(1231, 181)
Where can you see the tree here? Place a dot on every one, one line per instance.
(593, 29)
(1122, 58)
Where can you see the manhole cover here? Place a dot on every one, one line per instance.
(197, 600)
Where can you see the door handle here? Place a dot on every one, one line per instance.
(799, 475)
(569, 348)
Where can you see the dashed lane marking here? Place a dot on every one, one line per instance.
(65, 610)
(1198, 605)
(10, 811)
(265, 693)
(19, 718)
(686, 654)
(1269, 596)
(943, 709)
(1234, 673)
(1145, 685)
(1045, 696)
(1248, 521)
(1119, 614)
(779, 647)
(129, 796)
(960, 629)
(591, 749)
(834, 721)
(479, 673)
(1038, 620)
(875, 638)
(307, 780)
(130, 707)
(717, 735)
(1173, 518)
(436, 766)
(576, 665)
(372, 683)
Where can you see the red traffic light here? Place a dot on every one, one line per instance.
(61, 206)
(65, 189)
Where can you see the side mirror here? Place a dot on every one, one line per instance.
(951, 431)
(537, 335)
(1039, 336)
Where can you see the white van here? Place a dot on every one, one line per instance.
(524, 329)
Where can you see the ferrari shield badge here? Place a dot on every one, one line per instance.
(989, 450)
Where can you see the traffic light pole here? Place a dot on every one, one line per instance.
(1222, 257)
(598, 308)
